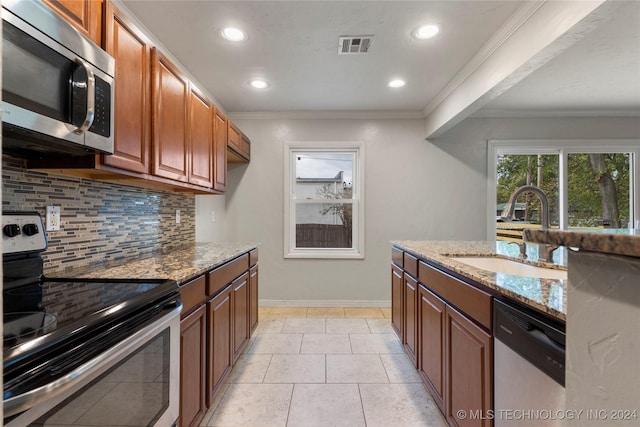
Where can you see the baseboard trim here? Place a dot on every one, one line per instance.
(323, 303)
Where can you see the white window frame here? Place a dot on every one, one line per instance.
(562, 147)
(290, 202)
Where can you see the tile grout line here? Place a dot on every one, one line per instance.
(293, 386)
(385, 368)
(364, 414)
(264, 376)
(325, 370)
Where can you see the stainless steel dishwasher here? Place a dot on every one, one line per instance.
(529, 367)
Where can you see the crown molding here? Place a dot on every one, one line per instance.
(556, 113)
(514, 22)
(326, 115)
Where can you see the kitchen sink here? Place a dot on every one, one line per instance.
(508, 266)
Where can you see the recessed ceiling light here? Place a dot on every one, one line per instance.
(426, 31)
(258, 84)
(233, 34)
(396, 83)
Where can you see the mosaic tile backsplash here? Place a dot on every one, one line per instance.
(100, 221)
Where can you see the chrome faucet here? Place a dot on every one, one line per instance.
(545, 252)
(523, 248)
(510, 208)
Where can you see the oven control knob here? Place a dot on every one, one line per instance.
(30, 229)
(11, 230)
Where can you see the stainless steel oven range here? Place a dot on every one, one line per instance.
(84, 352)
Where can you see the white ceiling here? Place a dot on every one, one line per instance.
(598, 75)
(293, 45)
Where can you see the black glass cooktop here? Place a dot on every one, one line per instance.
(67, 317)
(62, 305)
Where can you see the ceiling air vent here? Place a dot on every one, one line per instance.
(348, 45)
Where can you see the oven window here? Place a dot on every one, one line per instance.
(135, 392)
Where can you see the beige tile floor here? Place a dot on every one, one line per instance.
(324, 367)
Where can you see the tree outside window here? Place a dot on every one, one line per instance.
(598, 187)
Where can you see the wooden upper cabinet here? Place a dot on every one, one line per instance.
(238, 144)
(169, 120)
(220, 127)
(85, 15)
(132, 121)
(200, 139)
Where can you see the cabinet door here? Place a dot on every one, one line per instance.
(397, 299)
(169, 139)
(200, 139)
(469, 370)
(246, 147)
(240, 288)
(193, 368)
(132, 130)
(220, 151)
(220, 321)
(85, 15)
(253, 299)
(234, 141)
(411, 317)
(238, 144)
(431, 344)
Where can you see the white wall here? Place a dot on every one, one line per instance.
(415, 189)
(409, 195)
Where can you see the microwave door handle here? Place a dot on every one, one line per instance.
(91, 97)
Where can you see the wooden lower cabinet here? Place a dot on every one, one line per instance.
(219, 355)
(431, 344)
(410, 317)
(469, 371)
(253, 299)
(444, 323)
(397, 299)
(193, 355)
(219, 313)
(240, 301)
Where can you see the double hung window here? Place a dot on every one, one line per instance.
(323, 200)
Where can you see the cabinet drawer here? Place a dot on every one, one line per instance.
(396, 257)
(193, 295)
(410, 264)
(223, 275)
(253, 257)
(467, 298)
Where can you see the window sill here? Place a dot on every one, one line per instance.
(324, 255)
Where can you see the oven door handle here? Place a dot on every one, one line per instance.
(89, 370)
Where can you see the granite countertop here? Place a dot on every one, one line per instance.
(546, 295)
(181, 265)
(608, 241)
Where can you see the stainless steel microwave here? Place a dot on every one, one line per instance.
(57, 86)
